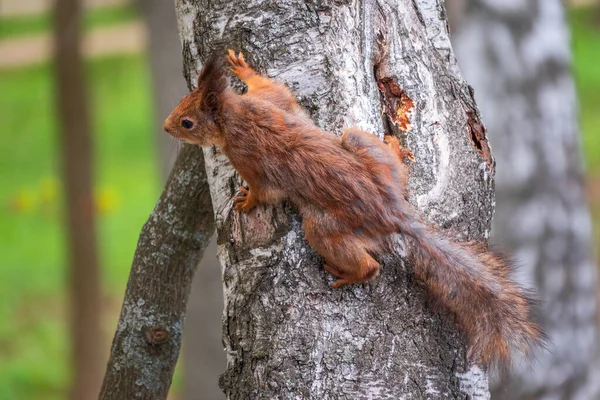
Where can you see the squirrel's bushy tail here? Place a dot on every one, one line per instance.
(492, 310)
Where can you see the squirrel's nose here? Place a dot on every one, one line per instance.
(166, 127)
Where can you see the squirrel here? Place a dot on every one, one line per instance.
(350, 191)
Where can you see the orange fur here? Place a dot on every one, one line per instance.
(350, 192)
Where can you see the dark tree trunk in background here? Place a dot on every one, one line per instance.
(148, 337)
(286, 333)
(168, 84)
(77, 156)
(203, 354)
(516, 55)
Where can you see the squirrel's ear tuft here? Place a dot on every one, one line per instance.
(210, 102)
(212, 77)
(212, 81)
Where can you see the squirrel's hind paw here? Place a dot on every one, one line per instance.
(245, 201)
(394, 144)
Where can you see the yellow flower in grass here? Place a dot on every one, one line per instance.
(107, 200)
(23, 201)
(49, 190)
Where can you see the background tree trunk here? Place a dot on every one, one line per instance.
(517, 56)
(202, 346)
(77, 163)
(164, 54)
(287, 334)
(148, 338)
(203, 355)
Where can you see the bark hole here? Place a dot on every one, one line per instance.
(478, 138)
(157, 336)
(396, 104)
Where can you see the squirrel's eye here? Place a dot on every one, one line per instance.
(187, 124)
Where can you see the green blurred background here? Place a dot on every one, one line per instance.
(33, 323)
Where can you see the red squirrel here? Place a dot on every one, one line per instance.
(350, 193)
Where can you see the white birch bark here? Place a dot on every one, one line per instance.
(516, 55)
(287, 334)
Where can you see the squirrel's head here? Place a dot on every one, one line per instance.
(194, 120)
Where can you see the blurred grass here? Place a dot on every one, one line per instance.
(42, 23)
(33, 329)
(33, 332)
(585, 31)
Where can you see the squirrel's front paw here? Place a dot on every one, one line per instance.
(239, 66)
(245, 201)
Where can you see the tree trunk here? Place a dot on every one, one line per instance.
(77, 163)
(148, 338)
(202, 348)
(165, 65)
(517, 56)
(203, 356)
(286, 333)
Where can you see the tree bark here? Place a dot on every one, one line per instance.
(203, 355)
(286, 333)
(77, 171)
(516, 54)
(148, 338)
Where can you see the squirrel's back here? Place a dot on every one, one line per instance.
(350, 191)
(314, 167)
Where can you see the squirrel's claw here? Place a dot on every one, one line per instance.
(245, 201)
(338, 283)
(338, 274)
(239, 66)
(333, 271)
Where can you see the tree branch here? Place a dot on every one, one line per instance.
(148, 338)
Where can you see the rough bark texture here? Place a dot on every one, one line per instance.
(203, 355)
(287, 334)
(77, 166)
(148, 338)
(516, 54)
